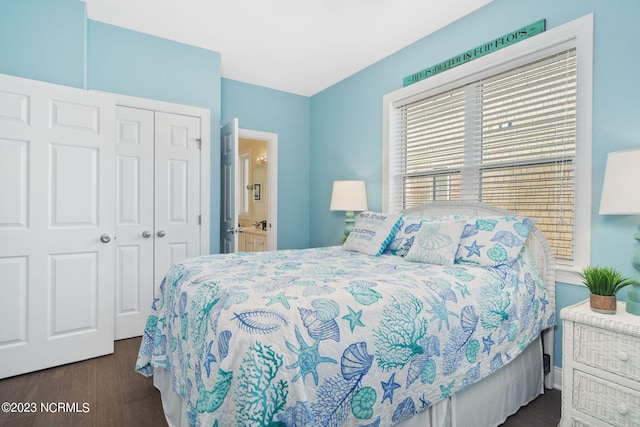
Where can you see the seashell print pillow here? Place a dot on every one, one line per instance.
(493, 241)
(436, 243)
(372, 232)
(408, 229)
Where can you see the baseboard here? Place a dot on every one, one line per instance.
(557, 378)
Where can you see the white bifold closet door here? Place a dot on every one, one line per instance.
(57, 224)
(158, 207)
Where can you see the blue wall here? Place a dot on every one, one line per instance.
(137, 64)
(44, 40)
(268, 110)
(346, 119)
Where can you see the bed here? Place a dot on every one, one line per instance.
(337, 337)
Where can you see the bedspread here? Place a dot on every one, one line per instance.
(326, 337)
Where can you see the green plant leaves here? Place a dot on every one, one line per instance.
(605, 281)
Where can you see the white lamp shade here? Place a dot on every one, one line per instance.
(349, 196)
(621, 191)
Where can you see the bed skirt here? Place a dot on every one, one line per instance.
(486, 403)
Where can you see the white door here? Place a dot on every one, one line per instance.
(177, 191)
(56, 225)
(158, 207)
(134, 220)
(229, 167)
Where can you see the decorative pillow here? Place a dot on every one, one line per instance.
(407, 231)
(493, 241)
(436, 243)
(372, 232)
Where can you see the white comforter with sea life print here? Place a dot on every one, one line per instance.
(326, 337)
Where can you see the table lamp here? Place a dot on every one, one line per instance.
(621, 196)
(349, 196)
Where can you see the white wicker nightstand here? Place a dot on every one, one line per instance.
(600, 367)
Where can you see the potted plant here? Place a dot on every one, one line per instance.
(603, 283)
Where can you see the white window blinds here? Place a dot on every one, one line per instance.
(506, 140)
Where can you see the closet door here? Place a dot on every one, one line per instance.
(177, 194)
(56, 225)
(158, 207)
(134, 220)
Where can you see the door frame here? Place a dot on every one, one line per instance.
(205, 156)
(272, 187)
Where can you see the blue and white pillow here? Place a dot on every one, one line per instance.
(493, 241)
(436, 243)
(372, 232)
(409, 227)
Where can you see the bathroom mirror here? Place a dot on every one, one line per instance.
(245, 184)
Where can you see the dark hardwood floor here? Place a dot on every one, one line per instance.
(115, 393)
(106, 392)
(542, 412)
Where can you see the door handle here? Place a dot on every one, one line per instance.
(161, 233)
(146, 234)
(105, 238)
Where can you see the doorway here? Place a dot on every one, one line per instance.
(249, 189)
(252, 194)
(263, 177)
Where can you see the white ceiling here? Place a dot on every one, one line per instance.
(298, 46)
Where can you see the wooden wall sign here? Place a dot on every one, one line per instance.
(485, 48)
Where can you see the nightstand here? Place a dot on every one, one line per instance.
(600, 367)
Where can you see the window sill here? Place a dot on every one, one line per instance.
(567, 274)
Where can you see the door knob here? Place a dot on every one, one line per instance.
(105, 238)
(161, 233)
(146, 234)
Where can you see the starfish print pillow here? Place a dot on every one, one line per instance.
(493, 241)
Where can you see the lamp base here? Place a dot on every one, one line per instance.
(633, 294)
(349, 220)
(633, 300)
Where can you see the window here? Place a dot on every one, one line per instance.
(507, 140)
(504, 132)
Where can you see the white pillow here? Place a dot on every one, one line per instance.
(436, 243)
(372, 232)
